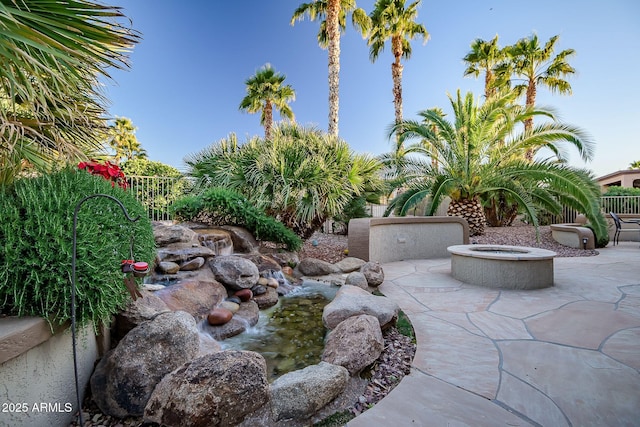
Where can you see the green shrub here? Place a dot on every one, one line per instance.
(218, 206)
(300, 176)
(621, 191)
(356, 208)
(601, 241)
(36, 236)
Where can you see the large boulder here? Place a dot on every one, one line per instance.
(353, 301)
(355, 343)
(137, 312)
(165, 234)
(316, 267)
(300, 394)
(234, 272)
(243, 240)
(126, 376)
(217, 389)
(349, 264)
(263, 262)
(373, 272)
(196, 297)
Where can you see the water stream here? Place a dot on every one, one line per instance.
(290, 335)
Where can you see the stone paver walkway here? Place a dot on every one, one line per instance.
(562, 356)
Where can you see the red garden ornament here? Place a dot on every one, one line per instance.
(107, 170)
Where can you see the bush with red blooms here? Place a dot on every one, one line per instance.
(107, 170)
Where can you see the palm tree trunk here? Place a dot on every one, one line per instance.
(528, 124)
(471, 210)
(396, 74)
(333, 34)
(268, 120)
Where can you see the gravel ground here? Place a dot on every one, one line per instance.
(331, 247)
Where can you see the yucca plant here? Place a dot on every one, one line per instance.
(300, 176)
(481, 153)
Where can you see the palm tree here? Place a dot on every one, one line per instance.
(390, 19)
(333, 14)
(122, 138)
(483, 58)
(480, 153)
(50, 104)
(265, 90)
(635, 165)
(530, 65)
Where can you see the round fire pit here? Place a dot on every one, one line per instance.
(500, 266)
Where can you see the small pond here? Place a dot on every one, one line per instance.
(290, 335)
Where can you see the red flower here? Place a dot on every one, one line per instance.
(109, 171)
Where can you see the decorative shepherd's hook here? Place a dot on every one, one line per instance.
(73, 288)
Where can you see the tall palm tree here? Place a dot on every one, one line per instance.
(266, 91)
(333, 16)
(391, 19)
(530, 65)
(122, 138)
(635, 165)
(50, 104)
(483, 58)
(480, 153)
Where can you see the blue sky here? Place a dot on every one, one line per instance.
(187, 74)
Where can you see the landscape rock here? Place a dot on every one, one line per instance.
(218, 389)
(234, 272)
(193, 264)
(219, 316)
(126, 376)
(267, 299)
(353, 301)
(284, 258)
(137, 312)
(168, 267)
(263, 262)
(246, 316)
(216, 239)
(243, 240)
(316, 267)
(300, 394)
(196, 297)
(357, 279)
(355, 343)
(165, 234)
(373, 272)
(181, 252)
(349, 264)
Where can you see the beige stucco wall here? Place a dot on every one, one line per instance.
(400, 238)
(38, 386)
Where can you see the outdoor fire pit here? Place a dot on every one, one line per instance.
(505, 267)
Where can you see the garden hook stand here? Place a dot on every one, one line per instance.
(140, 270)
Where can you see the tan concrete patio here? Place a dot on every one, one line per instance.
(568, 355)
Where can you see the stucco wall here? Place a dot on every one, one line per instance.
(38, 386)
(400, 238)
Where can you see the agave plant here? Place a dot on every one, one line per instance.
(481, 153)
(301, 176)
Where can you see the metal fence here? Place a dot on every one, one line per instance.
(623, 205)
(157, 193)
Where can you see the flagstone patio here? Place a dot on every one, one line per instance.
(568, 355)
